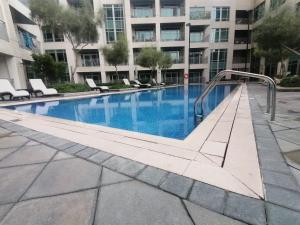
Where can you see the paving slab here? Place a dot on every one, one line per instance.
(100, 157)
(4, 152)
(296, 173)
(152, 175)
(12, 142)
(29, 155)
(279, 179)
(4, 210)
(111, 177)
(4, 132)
(144, 204)
(87, 152)
(176, 184)
(62, 155)
(282, 216)
(245, 209)
(65, 176)
(202, 216)
(208, 196)
(74, 149)
(15, 180)
(70, 209)
(289, 135)
(283, 197)
(277, 166)
(287, 146)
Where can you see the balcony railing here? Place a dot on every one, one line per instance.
(198, 59)
(3, 31)
(243, 40)
(239, 60)
(90, 62)
(241, 20)
(171, 11)
(204, 15)
(143, 37)
(171, 35)
(142, 12)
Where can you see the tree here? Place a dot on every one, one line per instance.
(165, 62)
(117, 53)
(276, 32)
(153, 59)
(46, 68)
(78, 25)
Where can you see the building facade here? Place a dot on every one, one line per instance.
(202, 37)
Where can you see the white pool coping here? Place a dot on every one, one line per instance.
(201, 155)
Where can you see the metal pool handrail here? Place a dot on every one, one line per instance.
(220, 75)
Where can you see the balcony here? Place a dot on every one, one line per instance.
(242, 17)
(142, 9)
(199, 13)
(197, 57)
(3, 31)
(90, 59)
(28, 41)
(242, 37)
(176, 54)
(172, 32)
(171, 8)
(143, 33)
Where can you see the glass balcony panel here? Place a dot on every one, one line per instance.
(142, 12)
(89, 60)
(171, 35)
(144, 36)
(196, 36)
(170, 11)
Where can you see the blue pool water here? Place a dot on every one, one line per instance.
(166, 112)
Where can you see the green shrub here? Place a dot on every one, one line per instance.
(70, 87)
(293, 81)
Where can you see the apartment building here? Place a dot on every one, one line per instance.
(19, 38)
(202, 37)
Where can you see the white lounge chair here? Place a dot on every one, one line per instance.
(38, 86)
(157, 84)
(7, 89)
(93, 86)
(142, 85)
(127, 83)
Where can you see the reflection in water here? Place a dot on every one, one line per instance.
(165, 112)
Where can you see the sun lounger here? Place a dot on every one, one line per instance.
(38, 86)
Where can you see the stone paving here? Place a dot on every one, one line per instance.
(48, 180)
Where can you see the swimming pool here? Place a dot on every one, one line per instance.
(166, 112)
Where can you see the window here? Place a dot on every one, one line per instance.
(276, 3)
(114, 22)
(259, 11)
(219, 35)
(221, 13)
(218, 61)
(170, 35)
(51, 36)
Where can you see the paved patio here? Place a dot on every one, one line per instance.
(49, 180)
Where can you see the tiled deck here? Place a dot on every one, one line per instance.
(45, 179)
(221, 151)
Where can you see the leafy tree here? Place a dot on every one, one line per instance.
(46, 68)
(153, 59)
(117, 53)
(274, 34)
(78, 25)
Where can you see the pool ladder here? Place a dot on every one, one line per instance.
(271, 93)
